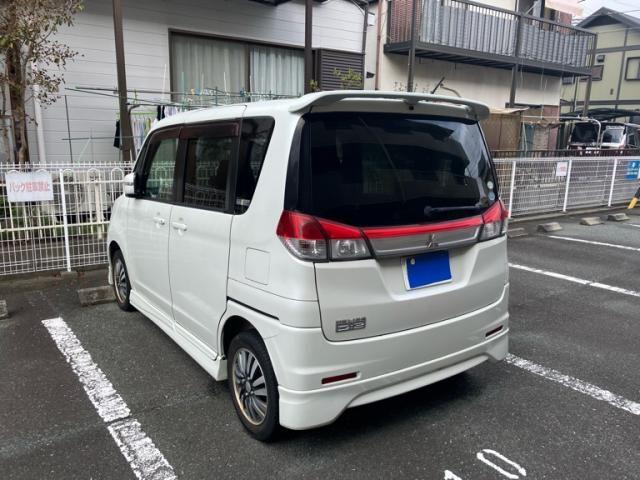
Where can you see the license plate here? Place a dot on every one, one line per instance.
(427, 269)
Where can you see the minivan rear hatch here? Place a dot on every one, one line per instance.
(420, 190)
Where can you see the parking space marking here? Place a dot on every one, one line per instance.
(146, 461)
(576, 384)
(593, 242)
(632, 225)
(580, 281)
(482, 457)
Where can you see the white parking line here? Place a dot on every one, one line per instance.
(580, 281)
(631, 225)
(576, 384)
(146, 461)
(592, 242)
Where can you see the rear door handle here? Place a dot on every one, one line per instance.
(159, 220)
(179, 226)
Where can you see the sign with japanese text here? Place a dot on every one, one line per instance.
(633, 170)
(561, 169)
(29, 186)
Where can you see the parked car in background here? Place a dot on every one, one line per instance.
(585, 135)
(319, 253)
(618, 136)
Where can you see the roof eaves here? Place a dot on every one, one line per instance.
(623, 18)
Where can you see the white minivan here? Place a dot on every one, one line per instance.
(319, 253)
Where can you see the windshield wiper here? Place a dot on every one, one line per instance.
(429, 210)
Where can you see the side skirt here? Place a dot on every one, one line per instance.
(207, 358)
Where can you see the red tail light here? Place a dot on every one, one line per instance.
(310, 238)
(494, 221)
(317, 239)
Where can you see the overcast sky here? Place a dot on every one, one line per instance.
(624, 6)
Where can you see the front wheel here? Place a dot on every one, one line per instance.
(253, 385)
(121, 284)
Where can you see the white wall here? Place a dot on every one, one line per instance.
(489, 85)
(337, 25)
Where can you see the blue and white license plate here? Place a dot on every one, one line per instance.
(427, 269)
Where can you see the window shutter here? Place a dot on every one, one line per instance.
(330, 60)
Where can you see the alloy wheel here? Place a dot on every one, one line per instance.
(249, 386)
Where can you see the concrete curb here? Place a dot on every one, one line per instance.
(591, 221)
(549, 227)
(4, 312)
(618, 217)
(96, 295)
(569, 214)
(516, 232)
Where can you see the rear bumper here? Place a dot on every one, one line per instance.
(387, 365)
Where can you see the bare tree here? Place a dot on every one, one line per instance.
(31, 60)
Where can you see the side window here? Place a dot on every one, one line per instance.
(254, 142)
(210, 151)
(158, 177)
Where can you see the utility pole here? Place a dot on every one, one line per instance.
(412, 49)
(125, 122)
(308, 45)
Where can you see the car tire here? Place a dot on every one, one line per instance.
(253, 388)
(121, 283)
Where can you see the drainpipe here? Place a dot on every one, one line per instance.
(308, 46)
(624, 57)
(37, 107)
(587, 94)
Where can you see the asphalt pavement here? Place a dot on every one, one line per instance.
(569, 413)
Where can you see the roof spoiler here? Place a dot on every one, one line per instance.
(476, 110)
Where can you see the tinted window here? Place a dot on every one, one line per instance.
(207, 168)
(158, 174)
(584, 133)
(254, 141)
(391, 169)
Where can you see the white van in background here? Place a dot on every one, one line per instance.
(319, 253)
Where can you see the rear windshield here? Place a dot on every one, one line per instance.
(584, 133)
(368, 169)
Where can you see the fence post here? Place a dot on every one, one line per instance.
(512, 186)
(613, 181)
(566, 189)
(65, 226)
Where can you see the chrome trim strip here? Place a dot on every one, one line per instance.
(424, 242)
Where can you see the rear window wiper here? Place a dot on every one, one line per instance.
(428, 210)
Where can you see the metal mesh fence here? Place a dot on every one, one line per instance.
(68, 231)
(543, 185)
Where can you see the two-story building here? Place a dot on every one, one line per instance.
(185, 53)
(511, 54)
(616, 71)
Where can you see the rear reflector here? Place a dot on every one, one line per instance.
(494, 331)
(339, 378)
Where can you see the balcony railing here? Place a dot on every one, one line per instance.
(491, 33)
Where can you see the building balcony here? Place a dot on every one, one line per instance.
(468, 32)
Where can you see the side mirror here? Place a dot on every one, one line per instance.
(129, 188)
